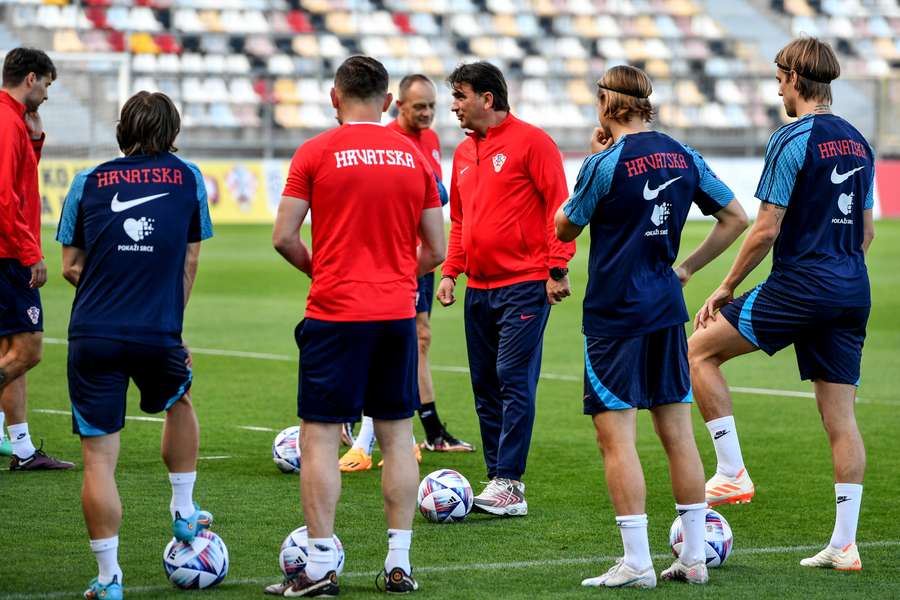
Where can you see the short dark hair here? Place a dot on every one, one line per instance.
(407, 82)
(149, 124)
(362, 77)
(483, 77)
(19, 62)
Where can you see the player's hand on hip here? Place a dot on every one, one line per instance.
(445, 291)
(599, 140)
(707, 312)
(34, 124)
(189, 359)
(558, 290)
(683, 275)
(38, 274)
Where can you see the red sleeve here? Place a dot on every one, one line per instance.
(38, 145)
(301, 174)
(548, 175)
(432, 197)
(13, 224)
(456, 256)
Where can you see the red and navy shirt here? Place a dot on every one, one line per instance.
(134, 217)
(636, 196)
(367, 188)
(822, 171)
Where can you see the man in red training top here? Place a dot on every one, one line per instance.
(373, 197)
(416, 101)
(508, 181)
(27, 73)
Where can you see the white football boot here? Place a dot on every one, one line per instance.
(696, 573)
(622, 575)
(841, 559)
(729, 490)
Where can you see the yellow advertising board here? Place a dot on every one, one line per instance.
(239, 191)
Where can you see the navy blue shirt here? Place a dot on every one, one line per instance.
(134, 217)
(822, 170)
(636, 196)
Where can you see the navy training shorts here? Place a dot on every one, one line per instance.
(99, 372)
(425, 293)
(20, 305)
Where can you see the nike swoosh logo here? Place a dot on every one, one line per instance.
(526, 317)
(117, 206)
(652, 194)
(461, 171)
(838, 178)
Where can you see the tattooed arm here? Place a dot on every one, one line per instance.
(756, 246)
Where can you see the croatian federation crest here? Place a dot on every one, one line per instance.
(34, 313)
(499, 160)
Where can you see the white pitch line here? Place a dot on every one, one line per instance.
(50, 411)
(223, 457)
(255, 428)
(465, 370)
(500, 566)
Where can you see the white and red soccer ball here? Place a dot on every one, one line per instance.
(445, 496)
(719, 538)
(286, 450)
(201, 564)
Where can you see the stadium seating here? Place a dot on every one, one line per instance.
(232, 62)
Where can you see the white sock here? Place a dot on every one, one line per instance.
(634, 537)
(365, 439)
(322, 558)
(2, 419)
(21, 440)
(182, 493)
(399, 541)
(693, 524)
(848, 497)
(106, 551)
(728, 448)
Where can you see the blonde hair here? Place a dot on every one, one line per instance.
(627, 90)
(815, 64)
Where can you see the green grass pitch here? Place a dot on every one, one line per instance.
(248, 299)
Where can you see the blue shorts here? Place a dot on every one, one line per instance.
(99, 371)
(350, 368)
(643, 371)
(425, 293)
(828, 340)
(20, 305)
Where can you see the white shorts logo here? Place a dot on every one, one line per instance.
(499, 160)
(34, 313)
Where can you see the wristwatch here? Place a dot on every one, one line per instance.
(557, 273)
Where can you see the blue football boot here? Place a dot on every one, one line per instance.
(186, 528)
(110, 591)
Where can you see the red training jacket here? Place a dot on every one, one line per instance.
(505, 191)
(20, 201)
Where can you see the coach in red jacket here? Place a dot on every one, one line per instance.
(508, 181)
(27, 73)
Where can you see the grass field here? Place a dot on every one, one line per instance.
(248, 299)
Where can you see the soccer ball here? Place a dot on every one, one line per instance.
(201, 564)
(286, 450)
(719, 539)
(445, 496)
(295, 550)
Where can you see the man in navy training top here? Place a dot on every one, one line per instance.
(816, 191)
(131, 230)
(635, 193)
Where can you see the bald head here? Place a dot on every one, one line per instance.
(416, 101)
